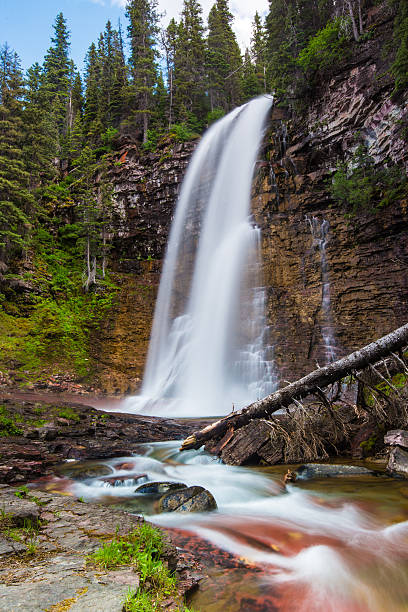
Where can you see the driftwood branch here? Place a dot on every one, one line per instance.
(310, 384)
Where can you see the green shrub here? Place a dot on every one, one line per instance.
(215, 115)
(325, 49)
(182, 132)
(360, 185)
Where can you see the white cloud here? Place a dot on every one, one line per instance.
(243, 13)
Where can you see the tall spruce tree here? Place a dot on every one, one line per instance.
(189, 63)
(58, 80)
(40, 133)
(289, 26)
(92, 122)
(143, 31)
(16, 202)
(258, 51)
(224, 61)
(169, 44)
(250, 83)
(112, 77)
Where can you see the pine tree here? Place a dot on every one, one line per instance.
(169, 44)
(40, 130)
(250, 82)
(142, 32)
(16, 201)
(224, 61)
(160, 103)
(58, 73)
(119, 81)
(92, 124)
(189, 63)
(83, 192)
(258, 52)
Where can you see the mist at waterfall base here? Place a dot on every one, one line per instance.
(332, 545)
(209, 350)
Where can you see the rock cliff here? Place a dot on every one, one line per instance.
(335, 280)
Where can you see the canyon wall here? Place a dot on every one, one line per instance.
(335, 280)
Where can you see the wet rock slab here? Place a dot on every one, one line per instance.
(57, 576)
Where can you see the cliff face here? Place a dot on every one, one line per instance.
(335, 281)
(146, 191)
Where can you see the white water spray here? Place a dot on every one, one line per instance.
(207, 352)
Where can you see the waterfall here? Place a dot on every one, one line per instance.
(320, 235)
(207, 350)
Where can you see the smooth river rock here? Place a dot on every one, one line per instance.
(158, 488)
(327, 470)
(190, 499)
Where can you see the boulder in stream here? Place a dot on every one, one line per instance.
(328, 470)
(189, 499)
(398, 462)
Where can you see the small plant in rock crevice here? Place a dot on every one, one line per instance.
(142, 549)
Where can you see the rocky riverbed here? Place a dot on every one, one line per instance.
(38, 435)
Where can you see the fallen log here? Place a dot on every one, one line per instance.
(312, 383)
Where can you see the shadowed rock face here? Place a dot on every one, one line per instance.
(365, 255)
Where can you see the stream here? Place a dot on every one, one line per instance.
(333, 544)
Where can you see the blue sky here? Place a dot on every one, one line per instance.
(26, 25)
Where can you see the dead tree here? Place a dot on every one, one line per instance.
(312, 384)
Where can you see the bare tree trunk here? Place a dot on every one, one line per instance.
(310, 384)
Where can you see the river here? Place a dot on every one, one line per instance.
(333, 544)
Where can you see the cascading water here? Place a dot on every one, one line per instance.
(330, 544)
(320, 235)
(207, 351)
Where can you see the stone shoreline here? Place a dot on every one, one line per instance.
(50, 572)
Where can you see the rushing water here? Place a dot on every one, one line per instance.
(208, 350)
(336, 545)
